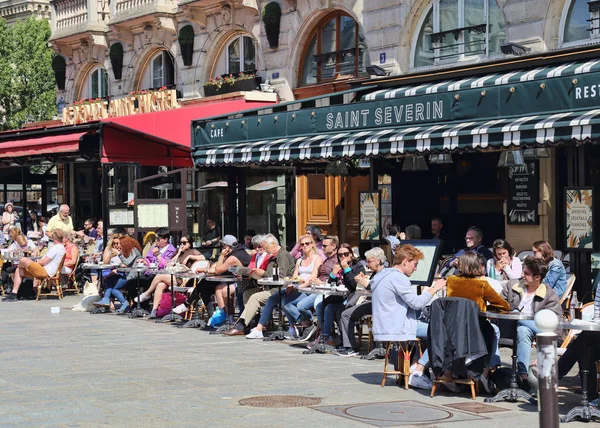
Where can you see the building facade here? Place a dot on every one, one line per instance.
(13, 10)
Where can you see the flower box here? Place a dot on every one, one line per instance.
(241, 85)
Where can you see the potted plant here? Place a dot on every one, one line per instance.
(116, 59)
(231, 83)
(59, 66)
(186, 43)
(271, 17)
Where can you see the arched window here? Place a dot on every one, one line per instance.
(336, 48)
(582, 21)
(237, 56)
(459, 30)
(159, 72)
(97, 84)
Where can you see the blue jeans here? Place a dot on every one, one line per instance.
(116, 290)
(330, 315)
(495, 360)
(270, 305)
(422, 334)
(290, 307)
(526, 331)
(304, 307)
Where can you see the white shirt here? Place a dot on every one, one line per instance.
(16, 247)
(514, 270)
(526, 304)
(55, 254)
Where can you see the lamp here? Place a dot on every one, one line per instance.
(510, 158)
(375, 70)
(537, 153)
(265, 185)
(441, 159)
(336, 168)
(414, 164)
(514, 49)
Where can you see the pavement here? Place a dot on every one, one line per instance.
(75, 369)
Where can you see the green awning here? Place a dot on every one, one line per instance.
(534, 130)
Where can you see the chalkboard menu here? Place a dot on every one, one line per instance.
(523, 193)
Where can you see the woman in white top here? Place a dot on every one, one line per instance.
(504, 265)
(44, 268)
(21, 243)
(9, 216)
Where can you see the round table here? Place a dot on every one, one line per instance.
(227, 280)
(195, 322)
(513, 392)
(583, 411)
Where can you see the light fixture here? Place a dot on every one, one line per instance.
(537, 153)
(510, 158)
(514, 49)
(375, 70)
(336, 168)
(265, 185)
(414, 164)
(441, 159)
(213, 185)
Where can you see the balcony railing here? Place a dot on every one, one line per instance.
(74, 16)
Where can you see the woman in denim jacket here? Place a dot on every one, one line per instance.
(556, 278)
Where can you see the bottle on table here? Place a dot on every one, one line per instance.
(572, 305)
(597, 307)
(275, 270)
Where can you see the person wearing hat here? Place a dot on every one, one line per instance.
(233, 254)
(9, 217)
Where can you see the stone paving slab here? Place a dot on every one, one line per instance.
(80, 370)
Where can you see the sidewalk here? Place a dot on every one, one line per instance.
(78, 369)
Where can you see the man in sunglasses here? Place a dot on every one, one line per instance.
(473, 241)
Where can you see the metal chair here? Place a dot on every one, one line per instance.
(51, 281)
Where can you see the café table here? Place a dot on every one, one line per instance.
(172, 316)
(138, 312)
(324, 291)
(280, 333)
(584, 410)
(195, 322)
(100, 267)
(227, 279)
(513, 392)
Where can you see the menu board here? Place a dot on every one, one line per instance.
(579, 218)
(523, 193)
(151, 216)
(370, 216)
(426, 266)
(121, 217)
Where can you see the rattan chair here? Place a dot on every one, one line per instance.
(401, 368)
(51, 282)
(69, 280)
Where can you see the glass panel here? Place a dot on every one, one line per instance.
(267, 212)
(103, 83)
(14, 194)
(423, 49)
(211, 203)
(120, 184)
(347, 46)
(157, 71)
(576, 26)
(249, 55)
(497, 33)
(328, 50)
(363, 53)
(234, 57)
(165, 187)
(169, 70)
(474, 15)
(94, 84)
(448, 21)
(309, 67)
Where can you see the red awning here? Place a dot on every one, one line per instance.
(161, 138)
(66, 143)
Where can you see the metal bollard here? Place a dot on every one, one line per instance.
(547, 321)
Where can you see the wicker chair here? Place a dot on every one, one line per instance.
(50, 282)
(69, 280)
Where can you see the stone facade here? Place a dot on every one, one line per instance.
(13, 10)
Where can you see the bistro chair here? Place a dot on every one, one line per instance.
(51, 281)
(565, 300)
(2, 285)
(524, 253)
(69, 280)
(366, 321)
(587, 314)
(399, 353)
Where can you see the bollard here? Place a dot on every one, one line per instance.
(547, 321)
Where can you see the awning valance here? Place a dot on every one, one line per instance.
(531, 130)
(43, 145)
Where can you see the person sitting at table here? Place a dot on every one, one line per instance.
(13, 232)
(395, 300)
(43, 221)
(88, 230)
(504, 265)
(315, 233)
(21, 243)
(530, 295)
(257, 297)
(359, 306)
(10, 217)
(232, 255)
(556, 277)
(470, 283)
(394, 235)
(473, 239)
(211, 237)
(343, 273)
(307, 269)
(258, 260)
(125, 253)
(162, 282)
(248, 235)
(32, 223)
(42, 269)
(71, 255)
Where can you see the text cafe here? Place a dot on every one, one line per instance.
(496, 146)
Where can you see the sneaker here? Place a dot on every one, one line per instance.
(152, 315)
(143, 298)
(293, 332)
(180, 309)
(255, 334)
(12, 297)
(487, 384)
(123, 308)
(346, 352)
(308, 333)
(419, 380)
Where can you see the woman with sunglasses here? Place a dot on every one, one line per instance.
(307, 269)
(162, 282)
(344, 273)
(313, 232)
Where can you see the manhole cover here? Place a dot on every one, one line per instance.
(477, 407)
(279, 401)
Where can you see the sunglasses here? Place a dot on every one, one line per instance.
(344, 254)
(306, 244)
(184, 242)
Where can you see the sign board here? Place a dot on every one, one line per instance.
(523, 193)
(152, 216)
(579, 218)
(426, 267)
(121, 217)
(370, 216)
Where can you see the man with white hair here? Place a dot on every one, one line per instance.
(258, 298)
(359, 306)
(62, 221)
